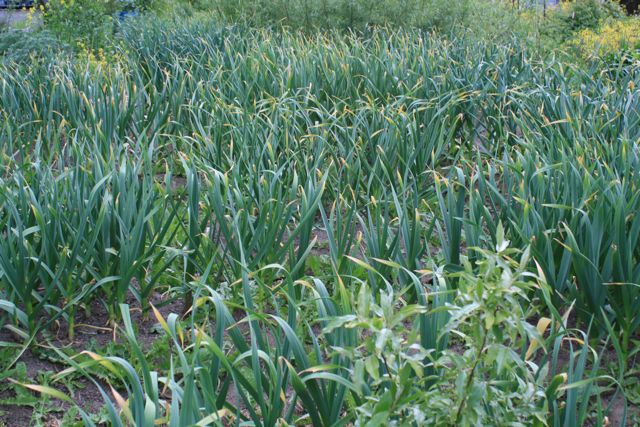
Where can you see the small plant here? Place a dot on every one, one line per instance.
(487, 380)
(482, 378)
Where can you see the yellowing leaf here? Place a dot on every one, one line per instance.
(49, 391)
(122, 404)
(543, 325)
(362, 264)
(160, 319)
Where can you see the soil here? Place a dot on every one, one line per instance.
(85, 393)
(91, 329)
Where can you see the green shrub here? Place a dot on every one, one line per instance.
(571, 17)
(485, 17)
(482, 379)
(85, 23)
(612, 42)
(584, 14)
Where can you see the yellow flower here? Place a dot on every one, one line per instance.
(614, 37)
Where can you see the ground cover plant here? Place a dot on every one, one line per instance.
(215, 224)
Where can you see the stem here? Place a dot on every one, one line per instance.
(471, 375)
(386, 364)
(625, 341)
(72, 324)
